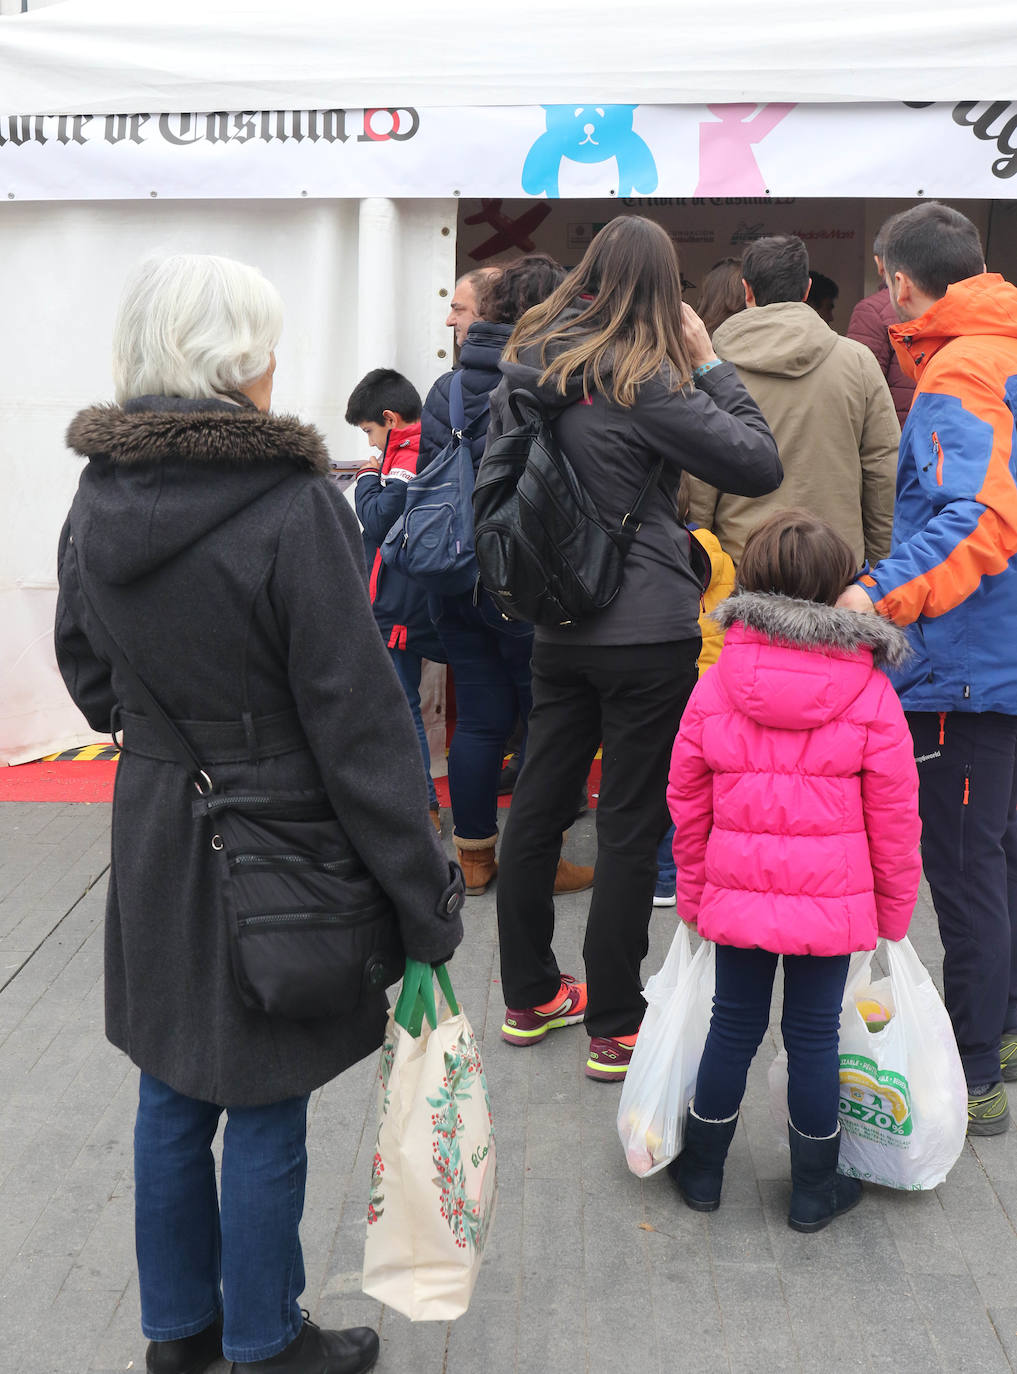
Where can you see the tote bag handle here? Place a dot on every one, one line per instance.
(416, 1000)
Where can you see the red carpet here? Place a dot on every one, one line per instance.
(69, 781)
(59, 781)
(593, 788)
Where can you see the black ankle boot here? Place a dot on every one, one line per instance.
(314, 1351)
(698, 1172)
(188, 1355)
(818, 1192)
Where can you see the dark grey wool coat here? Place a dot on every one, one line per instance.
(230, 570)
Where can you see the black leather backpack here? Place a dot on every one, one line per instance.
(544, 552)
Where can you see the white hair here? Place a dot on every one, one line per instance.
(193, 325)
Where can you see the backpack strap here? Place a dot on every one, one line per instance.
(456, 409)
(631, 524)
(457, 414)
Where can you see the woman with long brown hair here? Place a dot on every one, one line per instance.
(630, 376)
(721, 294)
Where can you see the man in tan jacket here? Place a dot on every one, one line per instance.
(825, 399)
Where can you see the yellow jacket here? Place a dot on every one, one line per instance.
(722, 580)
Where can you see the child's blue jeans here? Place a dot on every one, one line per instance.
(407, 665)
(813, 992)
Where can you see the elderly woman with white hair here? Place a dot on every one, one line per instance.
(208, 545)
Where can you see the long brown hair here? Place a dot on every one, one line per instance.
(721, 294)
(629, 326)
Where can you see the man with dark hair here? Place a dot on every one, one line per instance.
(775, 269)
(951, 578)
(869, 322)
(465, 307)
(823, 397)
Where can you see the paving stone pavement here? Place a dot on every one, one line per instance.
(587, 1266)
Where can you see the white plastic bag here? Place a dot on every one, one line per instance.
(661, 1078)
(903, 1097)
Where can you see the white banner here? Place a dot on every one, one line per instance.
(705, 152)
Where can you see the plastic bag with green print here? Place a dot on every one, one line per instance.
(433, 1176)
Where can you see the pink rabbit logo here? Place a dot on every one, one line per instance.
(727, 164)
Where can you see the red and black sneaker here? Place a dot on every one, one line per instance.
(610, 1057)
(531, 1024)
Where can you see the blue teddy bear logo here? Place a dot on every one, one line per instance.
(589, 133)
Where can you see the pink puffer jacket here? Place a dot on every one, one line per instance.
(793, 784)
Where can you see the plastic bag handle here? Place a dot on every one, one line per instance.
(416, 999)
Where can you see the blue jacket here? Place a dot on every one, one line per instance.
(399, 604)
(478, 358)
(951, 575)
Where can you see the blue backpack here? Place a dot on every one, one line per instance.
(432, 541)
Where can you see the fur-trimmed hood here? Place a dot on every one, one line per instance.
(796, 665)
(155, 429)
(163, 472)
(810, 625)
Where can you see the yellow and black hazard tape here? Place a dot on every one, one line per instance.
(87, 754)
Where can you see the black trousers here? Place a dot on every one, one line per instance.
(967, 778)
(629, 697)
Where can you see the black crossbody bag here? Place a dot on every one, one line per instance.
(310, 929)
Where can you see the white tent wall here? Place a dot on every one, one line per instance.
(353, 276)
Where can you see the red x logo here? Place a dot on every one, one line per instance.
(509, 233)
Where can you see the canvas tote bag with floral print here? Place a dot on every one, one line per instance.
(434, 1177)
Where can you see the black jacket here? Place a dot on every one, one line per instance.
(230, 570)
(712, 428)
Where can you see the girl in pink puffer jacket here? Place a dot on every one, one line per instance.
(795, 796)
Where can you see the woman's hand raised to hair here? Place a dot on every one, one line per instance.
(696, 338)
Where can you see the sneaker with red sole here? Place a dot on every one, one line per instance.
(610, 1057)
(527, 1026)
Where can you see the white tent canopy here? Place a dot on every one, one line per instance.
(359, 230)
(124, 56)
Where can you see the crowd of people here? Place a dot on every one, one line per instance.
(774, 743)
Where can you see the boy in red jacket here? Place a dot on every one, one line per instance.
(386, 406)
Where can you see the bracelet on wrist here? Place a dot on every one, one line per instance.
(704, 368)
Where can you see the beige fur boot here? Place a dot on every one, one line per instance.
(476, 859)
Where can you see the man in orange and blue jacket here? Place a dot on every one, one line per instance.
(951, 579)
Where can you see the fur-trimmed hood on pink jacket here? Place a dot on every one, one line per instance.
(793, 785)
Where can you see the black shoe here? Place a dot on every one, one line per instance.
(188, 1355)
(698, 1172)
(507, 777)
(818, 1192)
(353, 1351)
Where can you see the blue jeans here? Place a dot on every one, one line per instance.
(667, 869)
(810, 1024)
(198, 1256)
(490, 661)
(407, 666)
